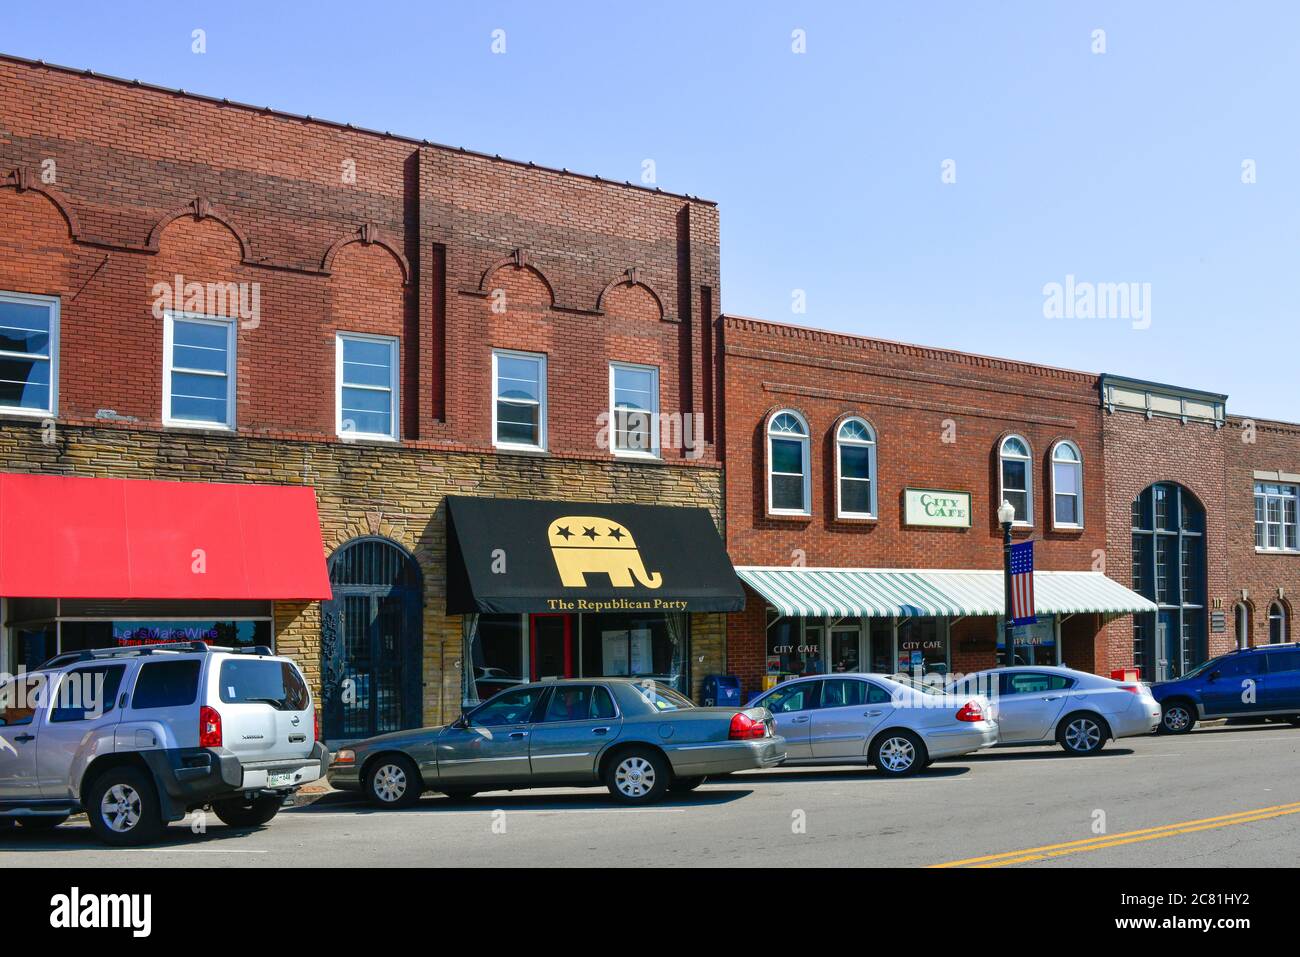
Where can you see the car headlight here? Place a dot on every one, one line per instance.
(345, 756)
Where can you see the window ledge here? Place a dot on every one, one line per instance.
(174, 426)
(789, 516)
(851, 519)
(1276, 551)
(1066, 527)
(21, 413)
(521, 450)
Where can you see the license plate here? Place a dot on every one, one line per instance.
(277, 779)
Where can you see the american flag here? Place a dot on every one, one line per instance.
(1022, 584)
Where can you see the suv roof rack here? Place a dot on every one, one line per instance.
(133, 651)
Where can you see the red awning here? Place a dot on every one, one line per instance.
(111, 538)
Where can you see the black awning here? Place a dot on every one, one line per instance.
(514, 555)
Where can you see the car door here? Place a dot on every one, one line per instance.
(80, 724)
(1029, 702)
(1282, 685)
(21, 700)
(577, 721)
(849, 709)
(490, 747)
(792, 704)
(1237, 685)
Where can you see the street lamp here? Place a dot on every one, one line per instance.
(1007, 515)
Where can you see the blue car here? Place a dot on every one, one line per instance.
(1261, 682)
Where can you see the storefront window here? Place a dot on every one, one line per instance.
(634, 646)
(1035, 644)
(498, 654)
(794, 647)
(922, 645)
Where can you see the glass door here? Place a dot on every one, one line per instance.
(551, 646)
(846, 648)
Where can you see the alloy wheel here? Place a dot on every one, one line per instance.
(1176, 718)
(897, 754)
(1082, 734)
(635, 777)
(389, 783)
(120, 808)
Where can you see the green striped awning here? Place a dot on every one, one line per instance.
(883, 593)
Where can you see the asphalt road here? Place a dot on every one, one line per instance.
(1219, 797)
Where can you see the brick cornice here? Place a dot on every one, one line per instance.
(947, 408)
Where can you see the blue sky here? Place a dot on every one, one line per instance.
(1115, 167)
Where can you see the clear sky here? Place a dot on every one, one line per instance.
(1122, 166)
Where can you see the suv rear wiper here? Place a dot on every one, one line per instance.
(277, 702)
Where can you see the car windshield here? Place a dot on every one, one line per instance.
(664, 699)
(1206, 666)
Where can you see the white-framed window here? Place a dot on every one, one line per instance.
(29, 354)
(518, 400)
(1067, 485)
(855, 469)
(1014, 468)
(634, 409)
(366, 394)
(1276, 526)
(789, 490)
(198, 371)
(1277, 623)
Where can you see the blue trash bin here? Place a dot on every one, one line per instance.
(721, 691)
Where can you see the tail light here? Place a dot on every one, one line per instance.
(209, 727)
(1134, 689)
(315, 724)
(970, 711)
(744, 727)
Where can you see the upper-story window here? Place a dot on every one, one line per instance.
(29, 353)
(1013, 466)
(1276, 623)
(198, 371)
(634, 413)
(855, 463)
(366, 393)
(789, 491)
(519, 400)
(1067, 485)
(1275, 517)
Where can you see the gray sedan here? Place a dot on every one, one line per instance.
(1037, 704)
(638, 738)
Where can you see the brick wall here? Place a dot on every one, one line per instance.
(108, 188)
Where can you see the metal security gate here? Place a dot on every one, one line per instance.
(371, 641)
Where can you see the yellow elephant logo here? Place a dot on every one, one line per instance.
(583, 544)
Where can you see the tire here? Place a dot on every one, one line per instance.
(393, 781)
(1177, 716)
(459, 797)
(238, 812)
(685, 785)
(43, 823)
(638, 776)
(123, 808)
(1082, 733)
(899, 754)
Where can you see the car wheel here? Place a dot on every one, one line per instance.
(637, 776)
(394, 782)
(682, 785)
(123, 808)
(1177, 717)
(238, 812)
(460, 797)
(46, 822)
(899, 753)
(1082, 733)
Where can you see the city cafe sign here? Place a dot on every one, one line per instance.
(936, 507)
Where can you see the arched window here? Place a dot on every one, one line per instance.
(789, 491)
(1067, 485)
(1016, 487)
(855, 465)
(1241, 620)
(1277, 629)
(1168, 525)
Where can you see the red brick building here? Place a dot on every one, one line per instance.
(202, 291)
(838, 449)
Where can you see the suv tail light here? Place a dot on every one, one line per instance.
(970, 711)
(315, 724)
(743, 727)
(209, 727)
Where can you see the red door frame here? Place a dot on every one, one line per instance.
(568, 643)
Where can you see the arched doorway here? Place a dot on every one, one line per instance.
(1168, 524)
(371, 641)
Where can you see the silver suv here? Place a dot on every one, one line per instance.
(138, 737)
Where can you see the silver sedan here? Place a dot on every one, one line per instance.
(873, 719)
(1036, 704)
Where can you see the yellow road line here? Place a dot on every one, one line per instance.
(1127, 837)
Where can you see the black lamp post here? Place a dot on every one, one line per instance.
(1007, 515)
